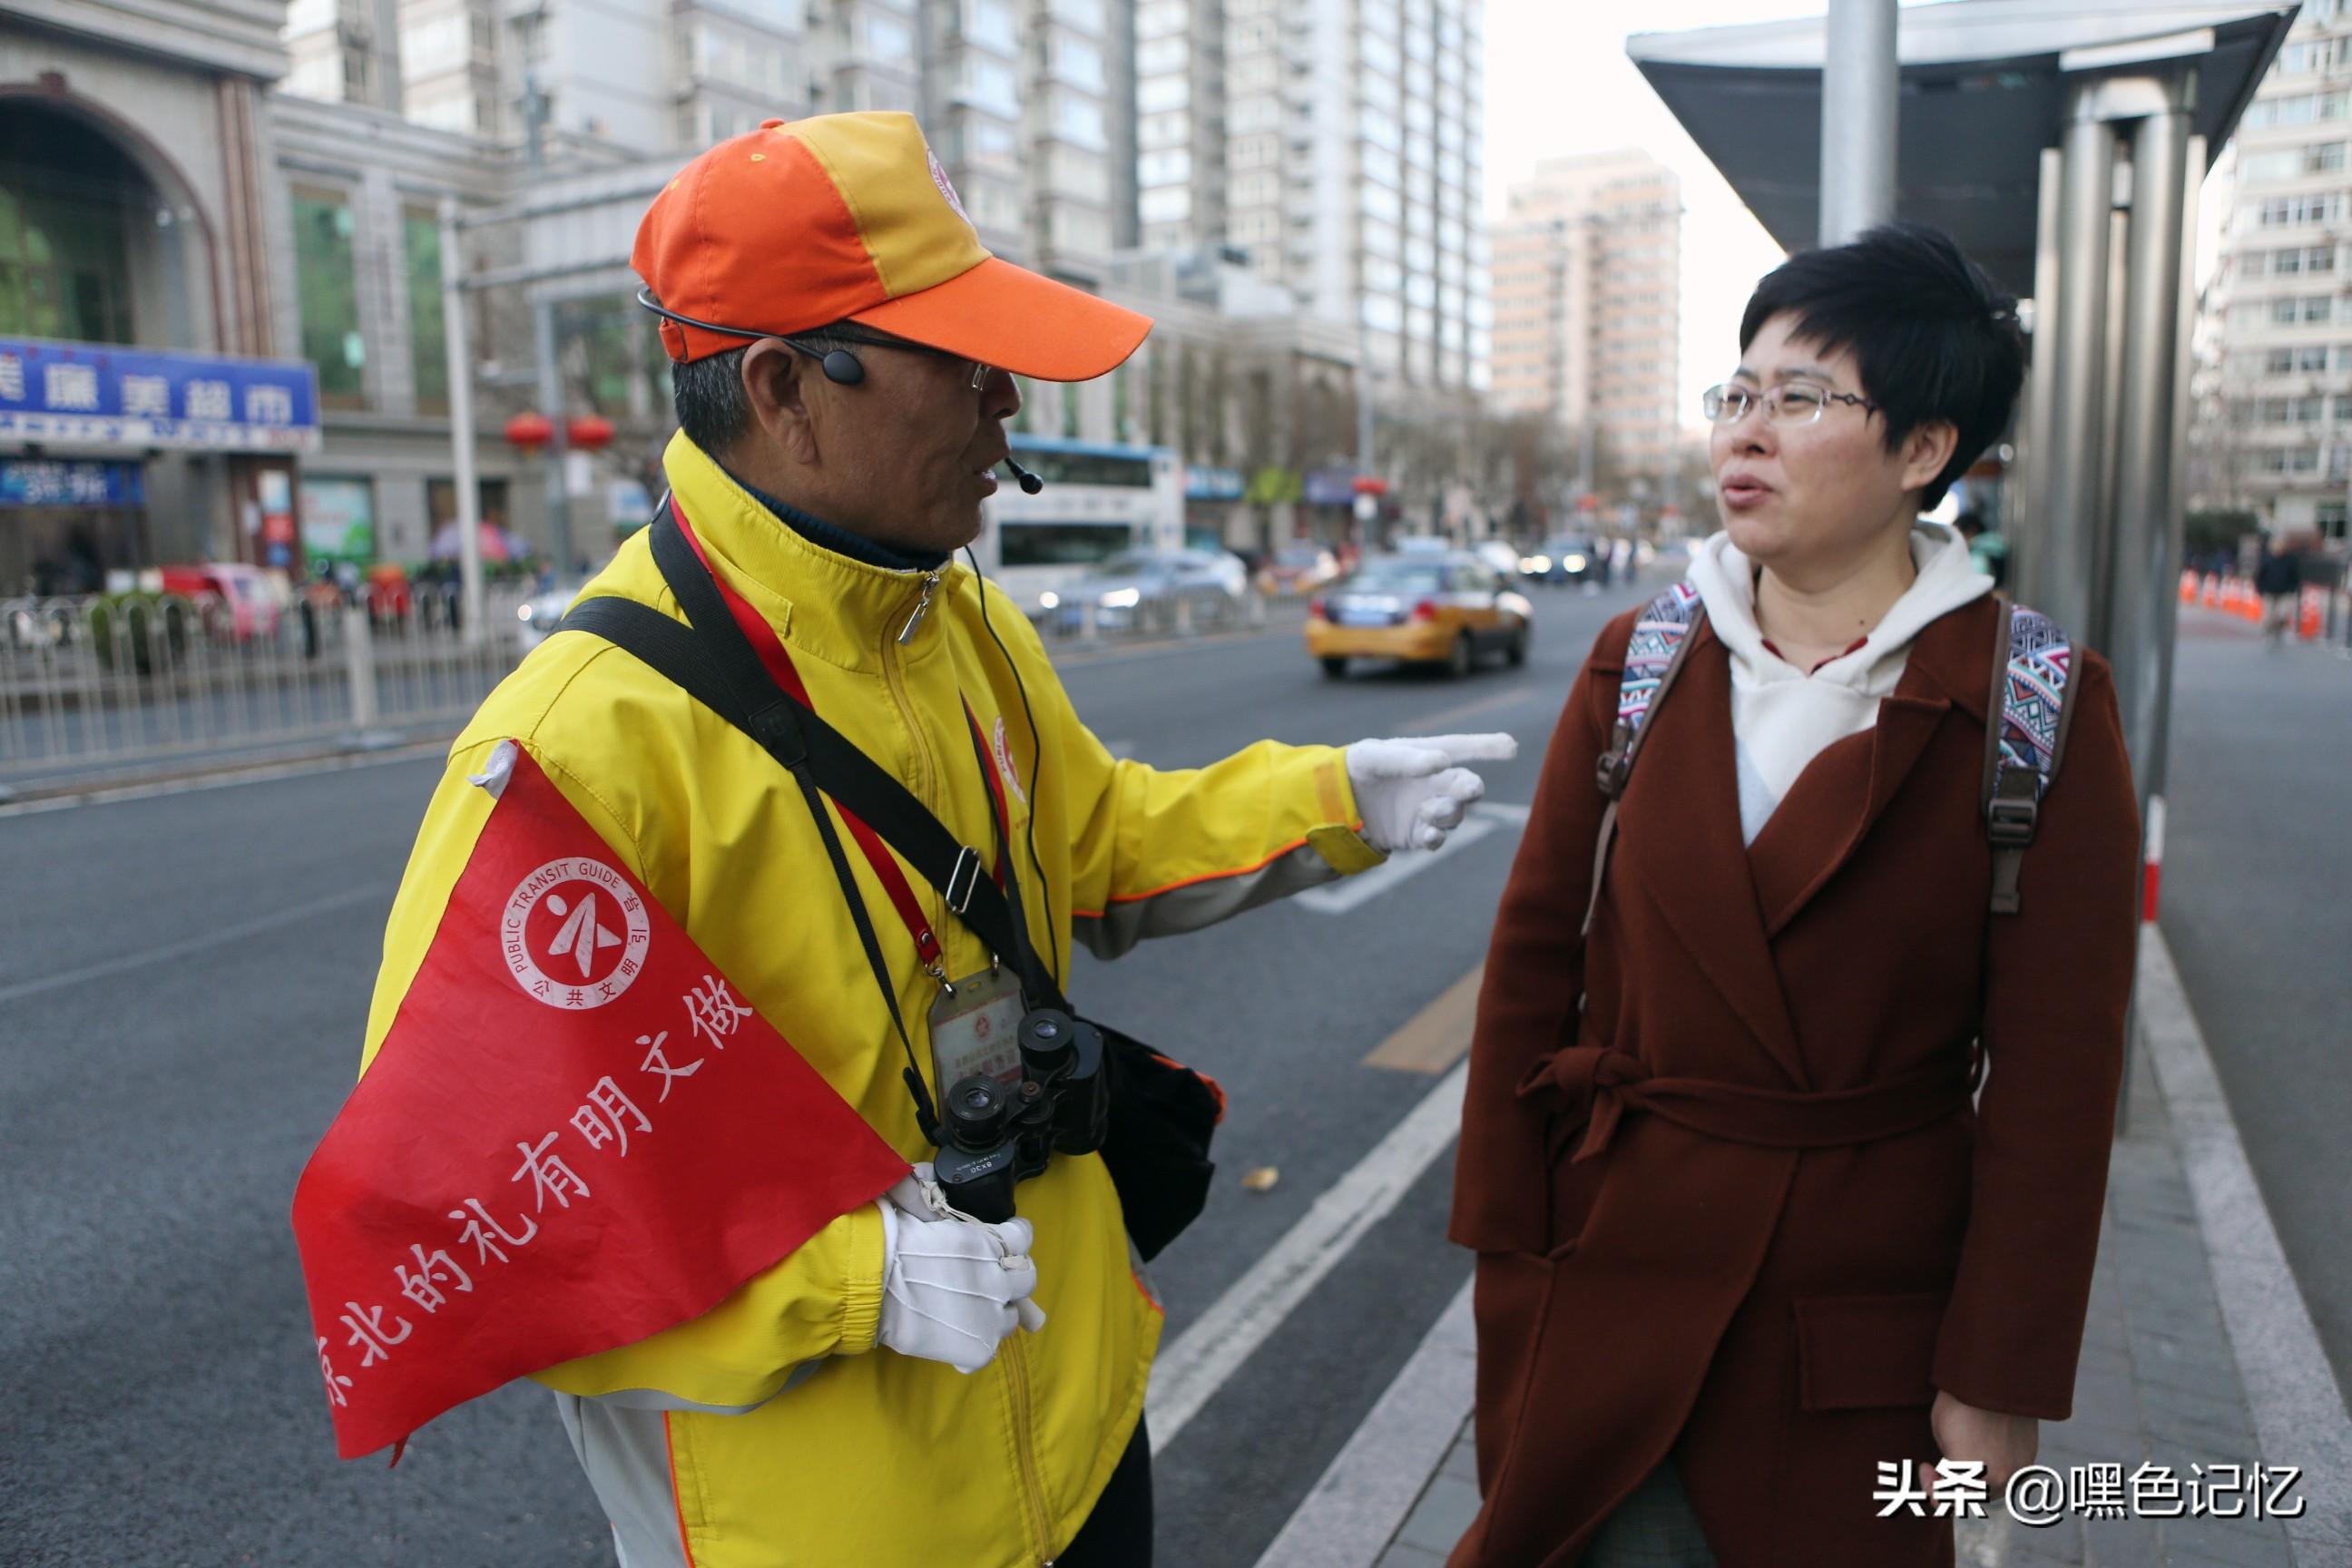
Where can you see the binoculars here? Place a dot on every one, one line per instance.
(996, 1136)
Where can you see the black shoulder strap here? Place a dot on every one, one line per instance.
(715, 663)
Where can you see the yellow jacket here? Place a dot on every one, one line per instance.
(772, 1431)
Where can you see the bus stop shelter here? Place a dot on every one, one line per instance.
(2063, 148)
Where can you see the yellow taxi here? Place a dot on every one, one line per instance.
(1426, 608)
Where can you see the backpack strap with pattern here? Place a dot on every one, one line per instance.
(2026, 719)
(1663, 636)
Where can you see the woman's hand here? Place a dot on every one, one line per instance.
(2003, 1444)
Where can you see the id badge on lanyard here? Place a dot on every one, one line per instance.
(976, 1028)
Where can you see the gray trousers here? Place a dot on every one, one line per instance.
(1652, 1528)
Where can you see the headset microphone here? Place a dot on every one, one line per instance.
(1030, 483)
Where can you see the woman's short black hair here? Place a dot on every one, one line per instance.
(1935, 337)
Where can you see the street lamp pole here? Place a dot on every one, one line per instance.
(1859, 118)
(461, 427)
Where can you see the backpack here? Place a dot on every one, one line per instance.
(2025, 731)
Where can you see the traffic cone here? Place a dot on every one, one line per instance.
(2228, 602)
(2212, 590)
(2308, 622)
(2251, 607)
(2187, 587)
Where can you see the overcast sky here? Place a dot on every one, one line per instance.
(1557, 81)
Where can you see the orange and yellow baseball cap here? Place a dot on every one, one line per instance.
(837, 217)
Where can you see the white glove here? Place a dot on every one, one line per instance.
(1413, 792)
(952, 1286)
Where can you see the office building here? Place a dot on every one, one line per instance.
(2280, 305)
(1588, 267)
(1340, 145)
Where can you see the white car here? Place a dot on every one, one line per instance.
(536, 616)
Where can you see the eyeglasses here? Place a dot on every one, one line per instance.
(1789, 402)
(977, 377)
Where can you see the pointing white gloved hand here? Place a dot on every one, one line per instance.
(1414, 792)
(952, 1286)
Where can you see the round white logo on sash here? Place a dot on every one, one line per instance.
(574, 934)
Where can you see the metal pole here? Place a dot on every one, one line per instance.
(1859, 91)
(551, 400)
(2029, 535)
(461, 425)
(2068, 547)
(2143, 585)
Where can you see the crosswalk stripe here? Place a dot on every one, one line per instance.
(1191, 1370)
(1433, 1038)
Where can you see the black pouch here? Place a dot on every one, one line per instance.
(1162, 1116)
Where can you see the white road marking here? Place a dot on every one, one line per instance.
(220, 937)
(1363, 1498)
(1350, 893)
(2298, 1410)
(1450, 719)
(1190, 1371)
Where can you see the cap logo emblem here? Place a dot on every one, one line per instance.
(940, 178)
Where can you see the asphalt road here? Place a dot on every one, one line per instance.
(184, 982)
(2257, 907)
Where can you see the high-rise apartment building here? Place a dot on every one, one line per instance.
(2282, 299)
(1588, 267)
(1024, 100)
(1340, 144)
(344, 51)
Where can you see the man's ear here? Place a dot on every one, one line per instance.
(775, 382)
(1926, 451)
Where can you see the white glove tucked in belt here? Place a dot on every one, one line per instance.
(1414, 792)
(952, 1288)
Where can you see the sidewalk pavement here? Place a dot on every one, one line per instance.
(2159, 1382)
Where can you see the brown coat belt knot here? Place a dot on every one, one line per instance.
(1595, 1085)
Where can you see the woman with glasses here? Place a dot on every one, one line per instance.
(1784, 1153)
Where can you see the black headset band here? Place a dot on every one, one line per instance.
(878, 340)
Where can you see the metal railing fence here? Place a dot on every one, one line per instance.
(117, 681)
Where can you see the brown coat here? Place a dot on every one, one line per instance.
(1766, 1280)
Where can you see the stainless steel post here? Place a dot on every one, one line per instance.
(2144, 572)
(1860, 98)
(461, 425)
(551, 402)
(2067, 550)
(2029, 534)
(2159, 744)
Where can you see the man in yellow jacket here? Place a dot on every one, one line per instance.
(842, 350)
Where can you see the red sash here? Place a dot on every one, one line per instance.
(576, 1135)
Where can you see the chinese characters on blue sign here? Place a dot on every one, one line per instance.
(95, 394)
(32, 482)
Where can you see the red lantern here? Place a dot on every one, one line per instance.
(588, 432)
(530, 431)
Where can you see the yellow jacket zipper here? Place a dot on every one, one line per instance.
(1015, 1362)
(895, 676)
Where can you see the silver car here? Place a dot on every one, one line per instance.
(1139, 590)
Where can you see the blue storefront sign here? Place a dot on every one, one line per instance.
(25, 481)
(1203, 482)
(97, 394)
(1329, 487)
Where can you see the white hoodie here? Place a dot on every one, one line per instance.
(1782, 718)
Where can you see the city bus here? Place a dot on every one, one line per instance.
(1099, 499)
